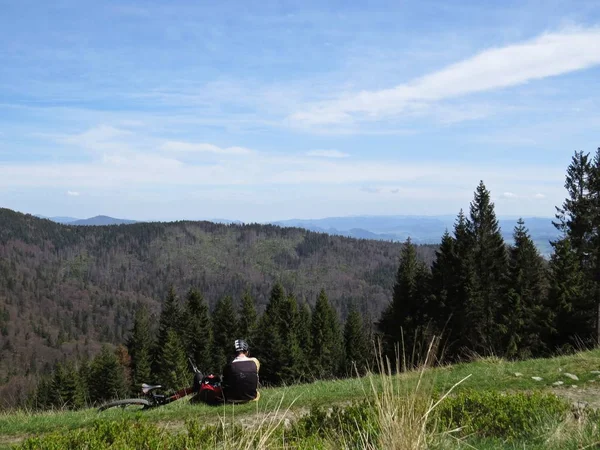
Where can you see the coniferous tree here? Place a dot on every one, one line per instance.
(459, 339)
(139, 346)
(579, 221)
(270, 339)
(574, 216)
(224, 331)
(523, 318)
(490, 270)
(248, 318)
(83, 372)
(304, 331)
(593, 254)
(355, 343)
(107, 377)
(170, 319)
(447, 304)
(327, 344)
(404, 324)
(174, 372)
(66, 387)
(567, 299)
(292, 361)
(278, 343)
(44, 394)
(198, 332)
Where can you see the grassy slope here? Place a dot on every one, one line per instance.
(485, 374)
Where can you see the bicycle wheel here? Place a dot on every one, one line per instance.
(132, 403)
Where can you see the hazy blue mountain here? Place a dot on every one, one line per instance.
(102, 220)
(421, 229)
(58, 219)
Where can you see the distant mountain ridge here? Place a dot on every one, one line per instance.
(58, 219)
(421, 229)
(96, 220)
(103, 220)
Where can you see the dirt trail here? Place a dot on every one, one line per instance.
(589, 395)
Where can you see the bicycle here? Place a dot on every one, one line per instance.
(153, 399)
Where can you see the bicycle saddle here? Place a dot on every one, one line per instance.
(149, 387)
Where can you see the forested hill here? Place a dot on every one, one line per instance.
(64, 289)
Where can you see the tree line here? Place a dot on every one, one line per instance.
(480, 296)
(293, 342)
(485, 297)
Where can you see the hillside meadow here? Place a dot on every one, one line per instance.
(491, 403)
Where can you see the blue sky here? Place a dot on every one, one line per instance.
(272, 110)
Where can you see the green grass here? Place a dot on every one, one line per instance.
(488, 374)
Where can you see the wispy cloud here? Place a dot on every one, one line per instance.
(73, 193)
(189, 147)
(327, 154)
(509, 195)
(547, 55)
(100, 138)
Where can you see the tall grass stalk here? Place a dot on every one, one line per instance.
(404, 414)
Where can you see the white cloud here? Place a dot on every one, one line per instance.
(539, 196)
(73, 194)
(547, 55)
(135, 169)
(95, 136)
(509, 195)
(143, 163)
(327, 153)
(189, 147)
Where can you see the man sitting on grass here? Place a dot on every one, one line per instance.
(240, 376)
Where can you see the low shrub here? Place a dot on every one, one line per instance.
(354, 424)
(500, 415)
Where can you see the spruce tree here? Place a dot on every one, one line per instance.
(575, 215)
(83, 372)
(304, 331)
(404, 324)
(66, 387)
(174, 372)
(579, 221)
(356, 343)
(247, 321)
(567, 299)
(107, 377)
(139, 346)
(270, 340)
(490, 270)
(278, 340)
(198, 331)
(446, 303)
(458, 338)
(292, 366)
(327, 347)
(593, 253)
(170, 319)
(44, 394)
(524, 316)
(225, 331)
